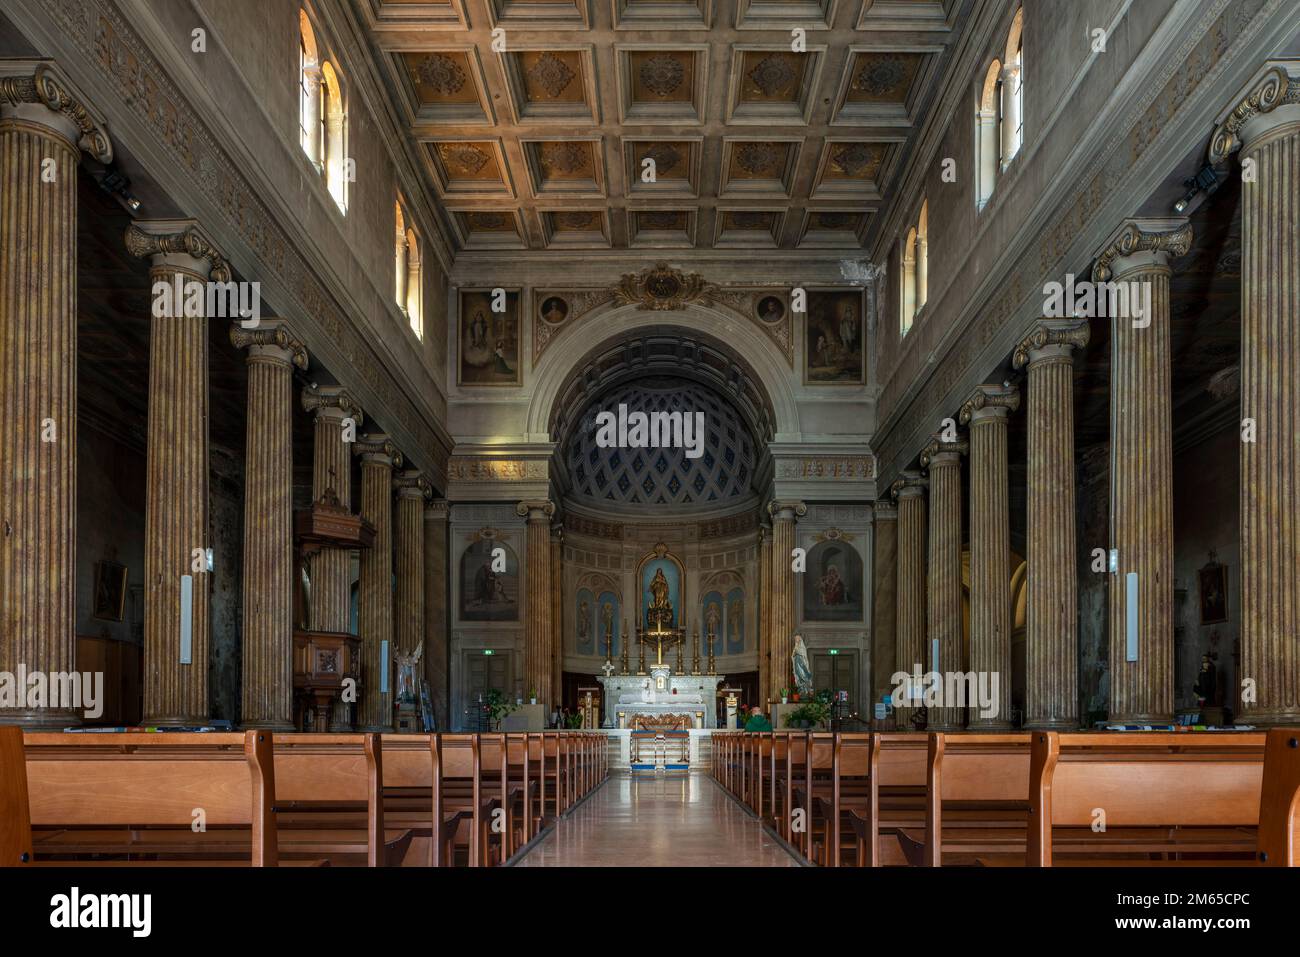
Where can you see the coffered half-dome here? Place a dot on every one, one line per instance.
(723, 472)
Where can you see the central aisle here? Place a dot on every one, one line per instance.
(660, 821)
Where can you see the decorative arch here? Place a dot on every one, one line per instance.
(987, 136)
(922, 254)
(770, 371)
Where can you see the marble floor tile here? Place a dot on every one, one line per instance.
(659, 821)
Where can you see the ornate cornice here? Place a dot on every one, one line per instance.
(775, 507)
(826, 467)
(325, 398)
(661, 287)
(437, 509)
(1072, 333)
(999, 398)
(43, 86)
(189, 242)
(530, 507)
(412, 484)
(885, 510)
(937, 447)
(471, 468)
(1276, 87)
(378, 446)
(909, 485)
(1133, 237)
(277, 337)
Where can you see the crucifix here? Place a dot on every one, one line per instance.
(659, 635)
(608, 668)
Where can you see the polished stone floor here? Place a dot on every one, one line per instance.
(659, 821)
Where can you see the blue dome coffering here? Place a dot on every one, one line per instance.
(651, 476)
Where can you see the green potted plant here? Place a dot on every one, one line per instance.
(532, 696)
(785, 695)
(497, 707)
(812, 713)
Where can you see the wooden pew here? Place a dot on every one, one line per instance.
(894, 797)
(135, 779)
(1210, 795)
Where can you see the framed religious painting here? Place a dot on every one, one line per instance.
(1213, 581)
(110, 591)
(833, 584)
(834, 339)
(489, 349)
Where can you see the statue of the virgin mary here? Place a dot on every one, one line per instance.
(799, 665)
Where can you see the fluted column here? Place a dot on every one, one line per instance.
(1136, 258)
(1264, 124)
(1051, 626)
(784, 515)
(909, 620)
(436, 646)
(268, 525)
(337, 419)
(537, 584)
(176, 637)
(43, 128)
(413, 490)
(379, 456)
(764, 612)
(986, 413)
(557, 616)
(884, 597)
(943, 608)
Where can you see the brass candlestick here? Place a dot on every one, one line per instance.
(640, 661)
(681, 650)
(623, 651)
(712, 667)
(695, 652)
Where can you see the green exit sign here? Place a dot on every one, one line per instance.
(832, 651)
(488, 651)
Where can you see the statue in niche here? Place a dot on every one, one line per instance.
(1206, 687)
(803, 679)
(711, 618)
(659, 593)
(734, 614)
(607, 618)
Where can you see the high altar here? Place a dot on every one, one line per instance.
(661, 697)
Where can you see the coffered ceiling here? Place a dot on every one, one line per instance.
(622, 124)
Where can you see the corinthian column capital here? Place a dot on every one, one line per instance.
(536, 510)
(1159, 239)
(412, 484)
(165, 242)
(377, 447)
(1270, 100)
(272, 340)
(1050, 339)
(27, 83)
(332, 402)
(910, 484)
(940, 452)
(989, 401)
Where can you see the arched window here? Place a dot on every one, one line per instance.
(322, 112)
(907, 298)
(309, 101)
(334, 128)
(1013, 93)
(922, 255)
(409, 280)
(987, 139)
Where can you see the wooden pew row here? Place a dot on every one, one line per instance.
(326, 767)
(130, 779)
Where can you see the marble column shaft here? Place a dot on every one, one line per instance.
(909, 620)
(413, 490)
(269, 564)
(337, 415)
(1142, 468)
(944, 604)
(884, 601)
(379, 456)
(986, 413)
(1051, 625)
(436, 644)
(557, 613)
(43, 127)
(784, 587)
(537, 624)
(176, 476)
(1264, 123)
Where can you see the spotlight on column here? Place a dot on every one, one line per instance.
(118, 186)
(1205, 182)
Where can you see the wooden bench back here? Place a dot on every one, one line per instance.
(1144, 779)
(407, 761)
(15, 815)
(107, 779)
(335, 767)
(1279, 814)
(971, 766)
(903, 760)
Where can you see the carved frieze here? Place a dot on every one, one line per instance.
(473, 469)
(827, 467)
